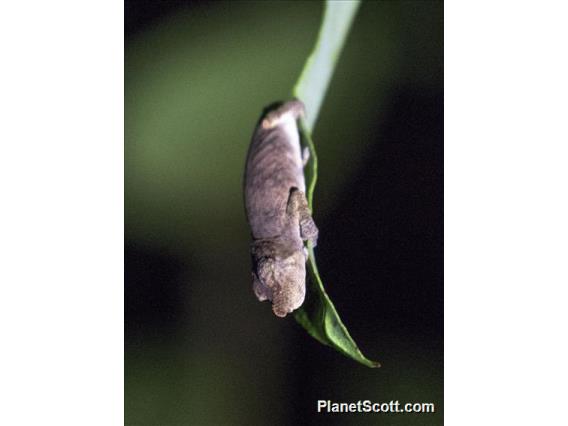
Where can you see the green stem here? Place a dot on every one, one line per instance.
(318, 69)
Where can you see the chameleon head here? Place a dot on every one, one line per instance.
(281, 280)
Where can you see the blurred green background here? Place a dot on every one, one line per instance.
(199, 348)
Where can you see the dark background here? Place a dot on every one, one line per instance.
(199, 348)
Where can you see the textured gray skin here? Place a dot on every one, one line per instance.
(277, 210)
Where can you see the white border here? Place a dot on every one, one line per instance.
(61, 223)
(506, 212)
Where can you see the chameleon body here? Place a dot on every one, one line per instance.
(277, 209)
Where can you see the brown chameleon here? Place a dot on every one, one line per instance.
(277, 209)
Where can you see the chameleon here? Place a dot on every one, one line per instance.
(276, 208)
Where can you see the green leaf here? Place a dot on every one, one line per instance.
(318, 315)
(318, 69)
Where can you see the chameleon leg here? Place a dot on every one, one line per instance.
(298, 208)
(259, 289)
